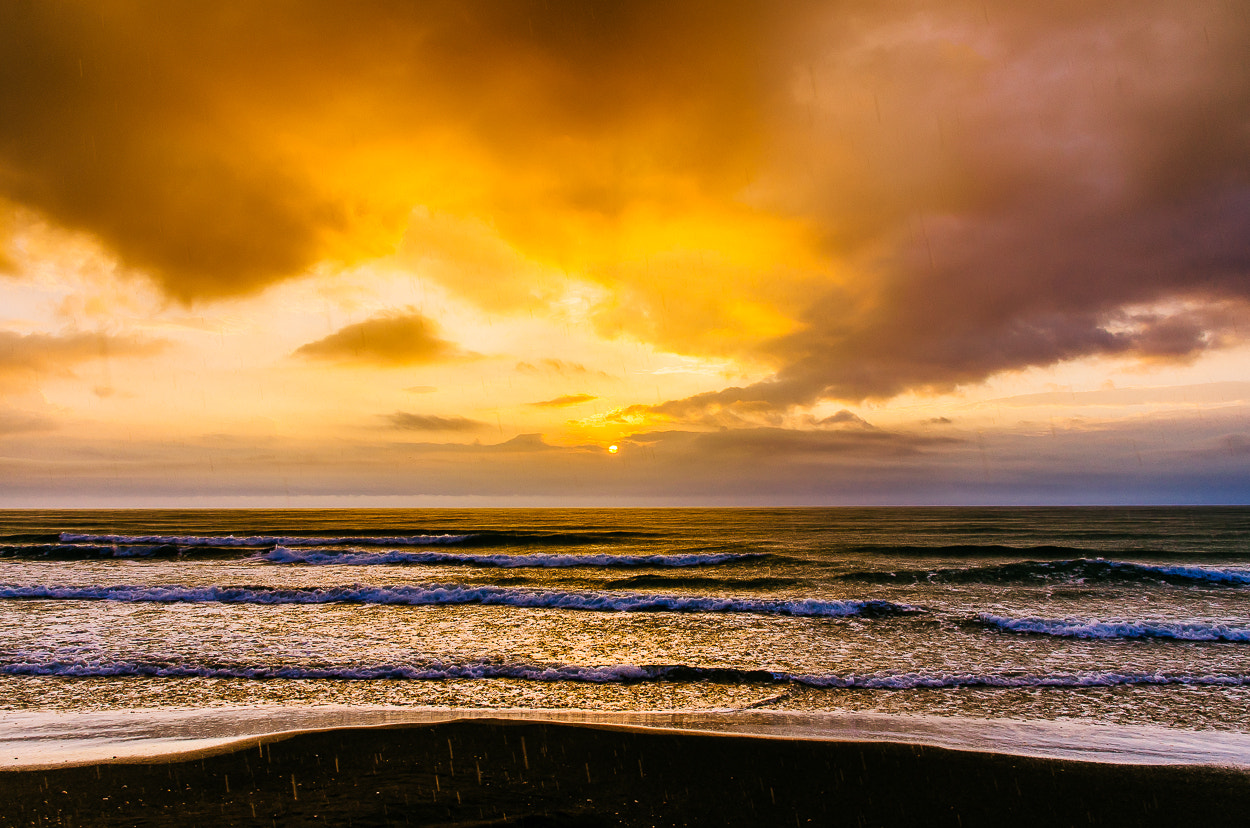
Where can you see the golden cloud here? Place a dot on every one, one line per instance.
(387, 341)
(867, 197)
(566, 400)
(223, 147)
(558, 367)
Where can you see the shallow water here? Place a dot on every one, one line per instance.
(44, 739)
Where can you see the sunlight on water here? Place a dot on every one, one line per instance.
(1125, 616)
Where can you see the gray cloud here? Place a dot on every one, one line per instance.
(1014, 186)
(844, 418)
(430, 422)
(783, 445)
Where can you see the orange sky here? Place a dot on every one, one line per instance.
(443, 253)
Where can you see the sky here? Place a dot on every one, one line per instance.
(777, 253)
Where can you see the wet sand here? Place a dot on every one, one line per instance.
(487, 772)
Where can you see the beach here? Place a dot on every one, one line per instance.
(504, 772)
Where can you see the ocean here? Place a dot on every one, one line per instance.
(1125, 617)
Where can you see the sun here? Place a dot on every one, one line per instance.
(613, 449)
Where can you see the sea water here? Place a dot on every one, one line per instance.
(1068, 618)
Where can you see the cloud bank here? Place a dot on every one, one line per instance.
(866, 198)
(25, 357)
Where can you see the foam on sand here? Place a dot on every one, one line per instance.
(42, 739)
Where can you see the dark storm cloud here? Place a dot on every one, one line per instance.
(113, 121)
(1014, 186)
(388, 341)
(1005, 293)
(223, 146)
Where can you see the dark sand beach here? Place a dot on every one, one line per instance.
(489, 772)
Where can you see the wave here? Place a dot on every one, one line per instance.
(700, 582)
(1184, 574)
(481, 538)
(77, 552)
(969, 550)
(607, 674)
(231, 541)
(29, 537)
(524, 538)
(282, 554)
(454, 594)
(1079, 570)
(1082, 628)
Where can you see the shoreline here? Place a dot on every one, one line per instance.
(37, 740)
(510, 772)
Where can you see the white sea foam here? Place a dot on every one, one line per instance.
(447, 594)
(1083, 628)
(34, 739)
(282, 554)
(231, 541)
(910, 681)
(1195, 573)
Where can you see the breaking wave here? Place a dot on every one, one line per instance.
(699, 582)
(1081, 628)
(231, 541)
(480, 538)
(973, 550)
(41, 665)
(452, 594)
(1079, 570)
(282, 554)
(78, 552)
